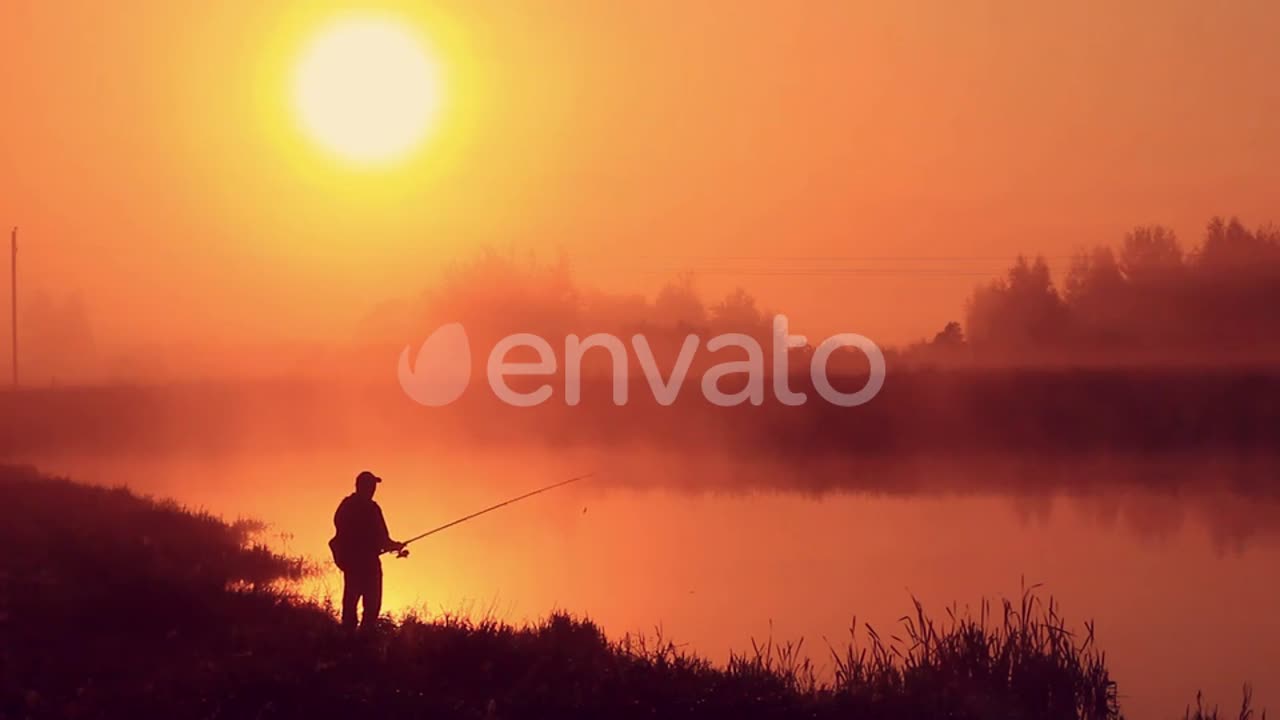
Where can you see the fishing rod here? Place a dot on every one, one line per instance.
(405, 553)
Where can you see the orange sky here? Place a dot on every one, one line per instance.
(150, 156)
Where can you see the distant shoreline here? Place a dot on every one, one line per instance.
(953, 412)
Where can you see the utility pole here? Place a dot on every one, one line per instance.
(13, 299)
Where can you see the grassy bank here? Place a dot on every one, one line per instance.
(114, 605)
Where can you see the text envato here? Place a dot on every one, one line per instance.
(442, 370)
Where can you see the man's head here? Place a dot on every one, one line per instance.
(367, 484)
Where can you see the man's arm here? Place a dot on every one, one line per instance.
(387, 543)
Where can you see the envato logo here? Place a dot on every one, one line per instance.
(442, 370)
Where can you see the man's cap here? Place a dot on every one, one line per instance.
(367, 477)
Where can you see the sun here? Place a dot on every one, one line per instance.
(367, 89)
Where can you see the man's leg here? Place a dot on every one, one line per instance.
(372, 589)
(350, 598)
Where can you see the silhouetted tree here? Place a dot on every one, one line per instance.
(677, 305)
(1150, 253)
(1214, 302)
(1229, 246)
(1019, 313)
(737, 312)
(1235, 286)
(951, 336)
(1098, 298)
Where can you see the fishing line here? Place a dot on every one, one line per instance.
(491, 508)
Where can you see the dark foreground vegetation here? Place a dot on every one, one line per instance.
(113, 605)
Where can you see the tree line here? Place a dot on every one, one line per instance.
(1149, 297)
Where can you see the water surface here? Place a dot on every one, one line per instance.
(1174, 558)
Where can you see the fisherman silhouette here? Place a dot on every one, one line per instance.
(360, 540)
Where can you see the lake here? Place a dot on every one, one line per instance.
(1174, 558)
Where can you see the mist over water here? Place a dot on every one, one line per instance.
(1173, 557)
